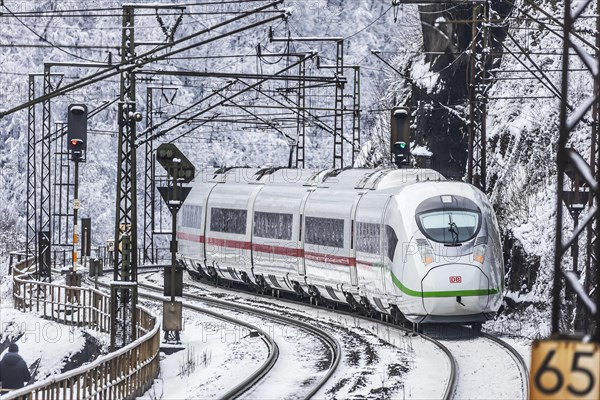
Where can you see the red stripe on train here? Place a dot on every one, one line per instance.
(330, 259)
(270, 249)
(279, 250)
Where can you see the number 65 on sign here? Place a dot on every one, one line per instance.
(564, 369)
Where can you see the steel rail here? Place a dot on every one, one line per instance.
(325, 337)
(257, 375)
(514, 354)
(452, 379)
(518, 358)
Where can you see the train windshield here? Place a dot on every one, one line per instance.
(449, 226)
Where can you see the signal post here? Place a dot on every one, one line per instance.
(181, 170)
(77, 144)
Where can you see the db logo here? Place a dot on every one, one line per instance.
(456, 279)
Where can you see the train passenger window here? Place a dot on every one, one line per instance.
(391, 241)
(191, 216)
(228, 220)
(368, 237)
(273, 225)
(325, 231)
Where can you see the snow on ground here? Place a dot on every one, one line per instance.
(50, 343)
(485, 369)
(377, 361)
(302, 363)
(216, 355)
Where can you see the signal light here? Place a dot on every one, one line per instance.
(400, 136)
(77, 131)
(402, 153)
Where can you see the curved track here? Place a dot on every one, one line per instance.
(524, 371)
(481, 359)
(270, 343)
(251, 382)
(326, 338)
(450, 388)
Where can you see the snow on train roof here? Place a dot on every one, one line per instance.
(346, 178)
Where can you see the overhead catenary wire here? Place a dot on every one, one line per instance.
(44, 39)
(151, 56)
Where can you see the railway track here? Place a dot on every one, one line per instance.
(251, 385)
(466, 373)
(258, 374)
(483, 358)
(518, 358)
(451, 382)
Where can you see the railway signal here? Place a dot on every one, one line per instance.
(400, 136)
(77, 116)
(77, 131)
(175, 163)
(181, 170)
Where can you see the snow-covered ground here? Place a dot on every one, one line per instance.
(46, 346)
(378, 361)
(479, 360)
(214, 356)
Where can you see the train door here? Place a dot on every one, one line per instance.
(386, 270)
(250, 207)
(301, 260)
(353, 268)
(203, 221)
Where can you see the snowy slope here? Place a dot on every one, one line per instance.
(522, 129)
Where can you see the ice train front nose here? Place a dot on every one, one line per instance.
(452, 242)
(465, 292)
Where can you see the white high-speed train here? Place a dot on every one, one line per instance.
(403, 242)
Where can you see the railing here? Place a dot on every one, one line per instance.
(123, 374)
(64, 256)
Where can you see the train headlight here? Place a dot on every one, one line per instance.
(479, 254)
(425, 251)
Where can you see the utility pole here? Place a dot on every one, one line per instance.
(30, 235)
(44, 234)
(124, 296)
(478, 88)
(356, 114)
(149, 182)
(338, 117)
(301, 115)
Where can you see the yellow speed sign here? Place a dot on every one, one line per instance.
(564, 369)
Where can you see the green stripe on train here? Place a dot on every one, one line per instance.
(441, 293)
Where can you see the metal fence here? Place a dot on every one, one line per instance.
(123, 374)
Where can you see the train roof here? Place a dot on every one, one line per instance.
(344, 178)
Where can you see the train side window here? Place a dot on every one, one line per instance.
(368, 237)
(391, 241)
(191, 216)
(228, 220)
(324, 231)
(273, 225)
